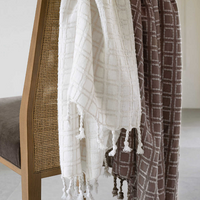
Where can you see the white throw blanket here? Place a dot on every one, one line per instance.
(98, 87)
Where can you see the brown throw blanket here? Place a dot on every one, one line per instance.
(154, 175)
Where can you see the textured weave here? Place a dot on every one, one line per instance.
(154, 175)
(98, 87)
(45, 122)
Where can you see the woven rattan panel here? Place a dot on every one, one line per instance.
(46, 147)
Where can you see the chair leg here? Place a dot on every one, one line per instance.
(31, 187)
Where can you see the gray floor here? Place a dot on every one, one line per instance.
(189, 182)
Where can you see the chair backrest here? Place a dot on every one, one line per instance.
(38, 114)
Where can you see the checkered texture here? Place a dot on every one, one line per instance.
(154, 175)
(103, 76)
(97, 81)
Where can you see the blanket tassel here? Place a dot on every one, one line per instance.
(126, 143)
(115, 189)
(139, 149)
(89, 195)
(69, 191)
(64, 196)
(113, 152)
(121, 194)
(80, 196)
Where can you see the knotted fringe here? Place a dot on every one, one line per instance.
(126, 143)
(81, 128)
(106, 168)
(129, 191)
(139, 149)
(115, 189)
(67, 193)
(99, 135)
(70, 190)
(64, 196)
(113, 152)
(80, 191)
(88, 191)
(121, 194)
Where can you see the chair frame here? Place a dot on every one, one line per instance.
(31, 181)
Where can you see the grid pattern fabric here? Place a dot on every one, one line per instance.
(45, 125)
(97, 77)
(159, 58)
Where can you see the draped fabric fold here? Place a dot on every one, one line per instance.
(154, 175)
(98, 88)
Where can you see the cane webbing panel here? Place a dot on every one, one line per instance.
(45, 128)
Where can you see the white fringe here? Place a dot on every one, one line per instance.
(64, 196)
(88, 191)
(139, 149)
(99, 135)
(70, 189)
(126, 143)
(78, 192)
(67, 193)
(113, 152)
(80, 196)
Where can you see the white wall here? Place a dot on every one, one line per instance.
(190, 25)
(16, 22)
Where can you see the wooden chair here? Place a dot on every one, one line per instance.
(39, 149)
